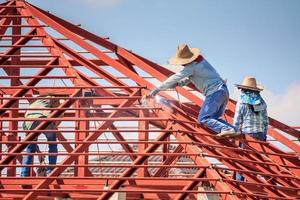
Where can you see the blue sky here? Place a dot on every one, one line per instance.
(239, 37)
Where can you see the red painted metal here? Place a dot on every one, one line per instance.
(107, 137)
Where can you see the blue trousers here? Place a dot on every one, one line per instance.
(28, 159)
(213, 108)
(259, 136)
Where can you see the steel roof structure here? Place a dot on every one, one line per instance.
(153, 151)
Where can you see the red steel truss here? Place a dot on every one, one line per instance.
(108, 141)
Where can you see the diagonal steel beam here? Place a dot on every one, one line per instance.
(125, 146)
(67, 146)
(161, 171)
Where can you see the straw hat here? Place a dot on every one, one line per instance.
(249, 83)
(52, 100)
(184, 55)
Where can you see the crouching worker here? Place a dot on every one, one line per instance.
(207, 80)
(251, 116)
(48, 102)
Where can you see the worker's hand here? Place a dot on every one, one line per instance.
(147, 101)
(41, 159)
(153, 93)
(144, 97)
(144, 100)
(148, 96)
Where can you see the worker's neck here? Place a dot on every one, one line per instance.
(199, 59)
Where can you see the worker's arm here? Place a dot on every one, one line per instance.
(41, 157)
(266, 120)
(184, 82)
(175, 80)
(238, 116)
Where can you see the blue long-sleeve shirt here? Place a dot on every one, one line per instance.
(205, 78)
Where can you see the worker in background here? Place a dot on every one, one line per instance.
(251, 116)
(48, 102)
(206, 79)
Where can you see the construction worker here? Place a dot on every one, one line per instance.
(206, 79)
(251, 116)
(48, 102)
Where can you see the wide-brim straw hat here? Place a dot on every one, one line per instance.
(184, 55)
(54, 102)
(249, 83)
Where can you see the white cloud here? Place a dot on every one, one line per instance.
(284, 106)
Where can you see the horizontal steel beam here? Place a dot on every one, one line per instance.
(70, 87)
(23, 26)
(14, 16)
(30, 77)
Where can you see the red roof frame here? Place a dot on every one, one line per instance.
(270, 171)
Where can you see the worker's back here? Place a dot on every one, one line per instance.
(40, 103)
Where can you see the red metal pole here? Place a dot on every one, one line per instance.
(13, 125)
(143, 136)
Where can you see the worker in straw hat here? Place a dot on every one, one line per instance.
(251, 116)
(206, 79)
(40, 112)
